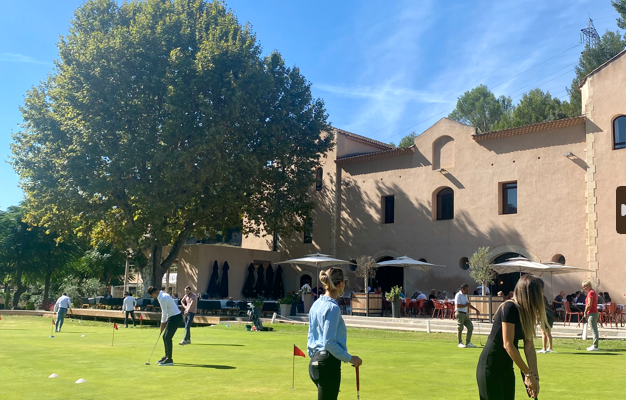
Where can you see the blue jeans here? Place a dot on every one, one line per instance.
(60, 317)
(188, 321)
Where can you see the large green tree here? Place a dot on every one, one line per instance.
(535, 106)
(591, 58)
(620, 7)
(481, 109)
(158, 123)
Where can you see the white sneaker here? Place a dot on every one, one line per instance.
(542, 351)
(592, 348)
(550, 351)
(470, 345)
(461, 346)
(182, 343)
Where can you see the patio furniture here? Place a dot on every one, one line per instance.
(210, 306)
(439, 311)
(85, 301)
(269, 307)
(569, 313)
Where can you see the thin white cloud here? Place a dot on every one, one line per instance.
(381, 93)
(21, 58)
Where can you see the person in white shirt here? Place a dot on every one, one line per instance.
(171, 319)
(479, 289)
(462, 306)
(63, 304)
(129, 308)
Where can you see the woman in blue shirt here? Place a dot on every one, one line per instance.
(327, 337)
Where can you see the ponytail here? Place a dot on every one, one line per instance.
(331, 278)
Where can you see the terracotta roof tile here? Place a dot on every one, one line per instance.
(399, 151)
(523, 130)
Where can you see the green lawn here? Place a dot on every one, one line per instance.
(230, 363)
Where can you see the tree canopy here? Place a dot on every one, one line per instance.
(163, 120)
(591, 58)
(480, 108)
(620, 7)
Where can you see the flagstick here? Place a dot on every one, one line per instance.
(51, 327)
(113, 338)
(293, 370)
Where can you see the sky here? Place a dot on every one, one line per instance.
(384, 69)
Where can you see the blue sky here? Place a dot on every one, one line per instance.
(384, 68)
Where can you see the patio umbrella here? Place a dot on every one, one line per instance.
(224, 281)
(269, 281)
(408, 262)
(279, 287)
(212, 289)
(248, 287)
(260, 281)
(317, 260)
(524, 266)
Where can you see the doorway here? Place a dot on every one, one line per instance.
(388, 277)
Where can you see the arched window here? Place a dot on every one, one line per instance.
(464, 263)
(443, 153)
(319, 179)
(445, 204)
(619, 133)
(559, 259)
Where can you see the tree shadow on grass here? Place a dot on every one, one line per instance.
(204, 366)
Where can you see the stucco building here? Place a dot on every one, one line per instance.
(545, 191)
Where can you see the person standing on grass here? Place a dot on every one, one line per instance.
(591, 313)
(190, 304)
(61, 307)
(171, 318)
(129, 308)
(462, 305)
(546, 331)
(327, 337)
(515, 320)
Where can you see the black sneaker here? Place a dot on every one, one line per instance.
(162, 359)
(167, 363)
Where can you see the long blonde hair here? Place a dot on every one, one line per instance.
(528, 298)
(331, 278)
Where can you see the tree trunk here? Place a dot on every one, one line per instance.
(19, 287)
(156, 268)
(367, 297)
(275, 241)
(46, 289)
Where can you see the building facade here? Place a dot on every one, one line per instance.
(544, 191)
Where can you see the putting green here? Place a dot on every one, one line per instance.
(230, 363)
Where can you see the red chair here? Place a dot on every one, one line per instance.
(619, 316)
(449, 309)
(420, 306)
(405, 306)
(569, 313)
(439, 309)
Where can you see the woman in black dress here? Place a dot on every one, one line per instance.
(515, 320)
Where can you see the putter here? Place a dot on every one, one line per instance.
(480, 338)
(358, 385)
(155, 343)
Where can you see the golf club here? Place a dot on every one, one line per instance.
(582, 335)
(155, 343)
(480, 338)
(358, 385)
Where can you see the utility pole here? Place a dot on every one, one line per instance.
(589, 35)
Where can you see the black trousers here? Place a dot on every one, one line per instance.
(494, 374)
(171, 326)
(325, 372)
(132, 316)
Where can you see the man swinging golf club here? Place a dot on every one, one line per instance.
(63, 304)
(171, 318)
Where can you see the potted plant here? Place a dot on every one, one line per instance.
(285, 305)
(307, 297)
(394, 298)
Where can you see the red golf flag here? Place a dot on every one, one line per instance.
(141, 317)
(0, 318)
(115, 325)
(53, 323)
(297, 351)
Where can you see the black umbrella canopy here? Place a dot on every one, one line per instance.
(248, 287)
(212, 290)
(279, 287)
(269, 281)
(260, 281)
(224, 282)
